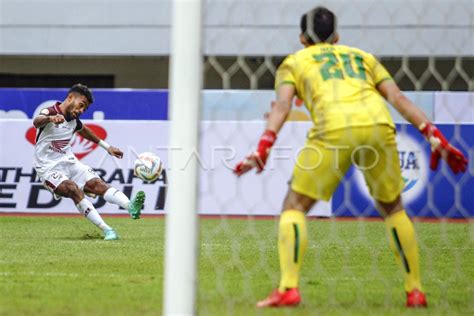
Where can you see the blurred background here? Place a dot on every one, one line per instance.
(426, 45)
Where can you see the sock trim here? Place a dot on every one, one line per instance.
(297, 243)
(110, 193)
(400, 250)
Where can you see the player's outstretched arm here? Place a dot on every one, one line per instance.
(390, 91)
(277, 117)
(440, 147)
(44, 118)
(87, 133)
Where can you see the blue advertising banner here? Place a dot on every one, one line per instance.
(110, 104)
(427, 193)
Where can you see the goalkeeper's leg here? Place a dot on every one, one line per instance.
(403, 242)
(292, 242)
(384, 179)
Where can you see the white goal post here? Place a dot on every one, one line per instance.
(182, 219)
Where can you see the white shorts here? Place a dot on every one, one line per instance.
(76, 171)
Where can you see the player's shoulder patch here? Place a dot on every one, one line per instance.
(44, 111)
(49, 111)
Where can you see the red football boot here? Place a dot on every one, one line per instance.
(416, 298)
(290, 297)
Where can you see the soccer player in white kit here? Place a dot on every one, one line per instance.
(62, 173)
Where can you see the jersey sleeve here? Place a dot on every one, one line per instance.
(78, 125)
(285, 72)
(378, 71)
(48, 111)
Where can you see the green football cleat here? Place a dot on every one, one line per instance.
(110, 235)
(136, 204)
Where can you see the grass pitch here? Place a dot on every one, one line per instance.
(61, 266)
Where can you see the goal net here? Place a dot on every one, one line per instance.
(348, 266)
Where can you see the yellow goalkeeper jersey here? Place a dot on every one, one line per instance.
(338, 86)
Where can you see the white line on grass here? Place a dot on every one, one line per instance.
(68, 275)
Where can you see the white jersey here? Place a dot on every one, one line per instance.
(53, 142)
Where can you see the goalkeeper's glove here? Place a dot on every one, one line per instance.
(441, 148)
(257, 159)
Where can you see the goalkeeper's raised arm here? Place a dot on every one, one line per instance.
(277, 117)
(440, 147)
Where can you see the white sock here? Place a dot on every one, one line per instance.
(114, 196)
(89, 211)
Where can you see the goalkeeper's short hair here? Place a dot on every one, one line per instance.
(318, 25)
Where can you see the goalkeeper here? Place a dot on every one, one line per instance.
(343, 89)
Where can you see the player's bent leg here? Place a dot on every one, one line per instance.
(70, 189)
(401, 234)
(292, 243)
(87, 208)
(96, 186)
(112, 195)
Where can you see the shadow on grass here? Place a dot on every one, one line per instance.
(86, 236)
(89, 236)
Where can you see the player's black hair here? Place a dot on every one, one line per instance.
(82, 90)
(318, 25)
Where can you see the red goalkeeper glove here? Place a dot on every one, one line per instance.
(257, 159)
(441, 148)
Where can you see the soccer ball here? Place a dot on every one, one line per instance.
(148, 166)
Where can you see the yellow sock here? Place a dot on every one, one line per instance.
(292, 242)
(403, 242)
